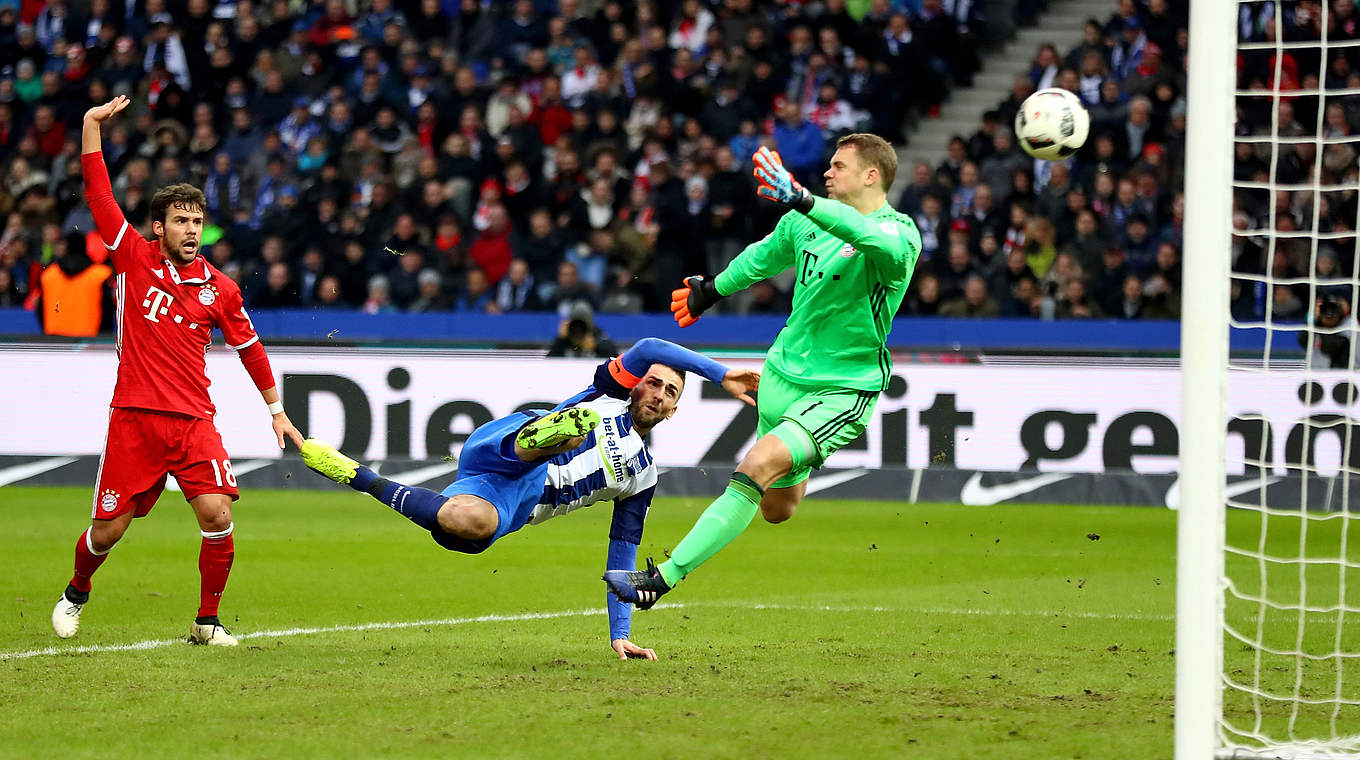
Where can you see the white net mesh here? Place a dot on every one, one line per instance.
(1291, 627)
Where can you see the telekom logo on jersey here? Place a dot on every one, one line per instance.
(157, 302)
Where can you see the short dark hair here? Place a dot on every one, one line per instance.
(180, 194)
(873, 151)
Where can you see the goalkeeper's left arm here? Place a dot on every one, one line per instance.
(881, 240)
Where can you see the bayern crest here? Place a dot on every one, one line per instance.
(207, 295)
(108, 501)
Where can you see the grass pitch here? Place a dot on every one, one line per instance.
(857, 629)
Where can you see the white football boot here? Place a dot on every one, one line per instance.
(66, 617)
(211, 633)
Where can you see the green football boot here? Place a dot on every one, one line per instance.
(553, 429)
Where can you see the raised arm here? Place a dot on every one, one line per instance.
(627, 370)
(108, 218)
(888, 244)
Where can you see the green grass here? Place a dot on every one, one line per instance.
(857, 629)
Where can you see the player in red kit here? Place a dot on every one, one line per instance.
(169, 299)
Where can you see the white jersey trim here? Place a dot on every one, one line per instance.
(243, 345)
(118, 240)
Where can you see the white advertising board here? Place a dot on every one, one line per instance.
(976, 417)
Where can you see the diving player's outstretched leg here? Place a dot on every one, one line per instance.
(462, 515)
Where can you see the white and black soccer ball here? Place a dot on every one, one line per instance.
(1052, 124)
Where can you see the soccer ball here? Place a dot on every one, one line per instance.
(1052, 124)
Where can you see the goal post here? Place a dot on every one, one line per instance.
(1210, 104)
(1268, 578)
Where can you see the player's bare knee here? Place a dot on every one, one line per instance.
(215, 521)
(469, 518)
(777, 510)
(105, 533)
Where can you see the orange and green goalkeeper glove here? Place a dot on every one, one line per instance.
(777, 184)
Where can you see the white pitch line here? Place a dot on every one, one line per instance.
(395, 625)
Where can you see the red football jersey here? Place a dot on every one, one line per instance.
(165, 313)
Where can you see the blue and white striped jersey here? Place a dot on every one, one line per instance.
(612, 464)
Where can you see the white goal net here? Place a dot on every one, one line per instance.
(1268, 627)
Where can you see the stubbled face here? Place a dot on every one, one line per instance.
(181, 232)
(654, 398)
(847, 177)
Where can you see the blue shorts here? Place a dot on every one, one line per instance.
(489, 469)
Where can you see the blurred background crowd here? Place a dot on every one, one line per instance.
(539, 155)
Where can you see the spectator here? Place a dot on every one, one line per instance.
(800, 143)
(955, 270)
(1004, 279)
(403, 281)
(477, 296)
(932, 225)
(430, 295)
(1107, 280)
(923, 299)
(378, 301)
(975, 302)
(281, 291)
(491, 252)
(71, 289)
(517, 290)
(625, 294)
(1076, 304)
(568, 290)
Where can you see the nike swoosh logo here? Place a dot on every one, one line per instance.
(1173, 494)
(159, 273)
(977, 495)
(823, 482)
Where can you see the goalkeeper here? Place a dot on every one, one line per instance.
(853, 255)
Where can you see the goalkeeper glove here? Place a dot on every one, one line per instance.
(777, 184)
(689, 302)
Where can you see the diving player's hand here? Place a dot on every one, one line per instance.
(689, 302)
(777, 184)
(627, 650)
(739, 382)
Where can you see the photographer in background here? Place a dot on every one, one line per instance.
(579, 337)
(1331, 350)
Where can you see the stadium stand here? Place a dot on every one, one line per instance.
(1110, 219)
(496, 157)
(405, 155)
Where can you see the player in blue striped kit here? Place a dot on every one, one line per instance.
(531, 466)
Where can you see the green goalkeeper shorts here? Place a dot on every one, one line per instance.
(832, 417)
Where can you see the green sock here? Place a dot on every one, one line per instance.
(723, 521)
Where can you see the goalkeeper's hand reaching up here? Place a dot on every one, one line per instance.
(777, 184)
(689, 302)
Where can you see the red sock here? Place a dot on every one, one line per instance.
(86, 562)
(214, 565)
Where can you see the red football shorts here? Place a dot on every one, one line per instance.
(144, 446)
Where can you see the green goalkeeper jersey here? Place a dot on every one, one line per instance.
(852, 271)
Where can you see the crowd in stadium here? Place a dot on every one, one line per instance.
(1101, 235)
(423, 155)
